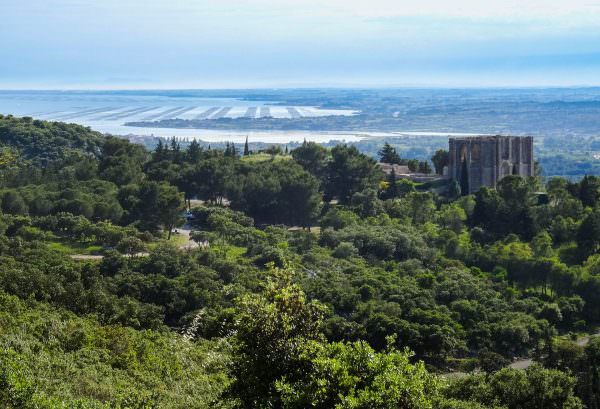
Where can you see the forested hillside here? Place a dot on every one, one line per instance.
(313, 281)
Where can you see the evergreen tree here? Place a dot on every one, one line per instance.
(350, 171)
(440, 159)
(230, 151)
(589, 190)
(425, 167)
(413, 165)
(159, 151)
(392, 190)
(388, 154)
(464, 178)
(175, 150)
(246, 149)
(194, 152)
(312, 157)
(174, 144)
(588, 235)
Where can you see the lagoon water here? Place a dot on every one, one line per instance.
(108, 111)
(543, 113)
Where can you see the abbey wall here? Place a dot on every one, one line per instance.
(487, 159)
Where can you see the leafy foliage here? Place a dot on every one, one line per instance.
(378, 265)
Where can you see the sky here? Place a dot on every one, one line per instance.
(121, 44)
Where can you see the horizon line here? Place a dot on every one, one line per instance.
(307, 87)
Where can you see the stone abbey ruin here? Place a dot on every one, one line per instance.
(485, 160)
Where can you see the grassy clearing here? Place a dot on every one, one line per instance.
(264, 157)
(179, 239)
(72, 247)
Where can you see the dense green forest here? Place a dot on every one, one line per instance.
(314, 281)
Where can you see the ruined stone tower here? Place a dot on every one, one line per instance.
(487, 159)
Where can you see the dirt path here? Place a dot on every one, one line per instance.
(521, 363)
(527, 362)
(86, 257)
(82, 257)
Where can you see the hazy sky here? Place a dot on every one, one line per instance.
(279, 43)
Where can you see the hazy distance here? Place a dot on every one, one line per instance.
(297, 43)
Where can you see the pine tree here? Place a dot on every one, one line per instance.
(425, 167)
(159, 151)
(440, 159)
(194, 152)
(413, 165)
(174, 144)
(246, 148)
(388, 154)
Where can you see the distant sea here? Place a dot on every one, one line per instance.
(331, 114)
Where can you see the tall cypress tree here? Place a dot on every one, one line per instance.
(175, 150)
(160, 150)
(464, 178)
(246, 149)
